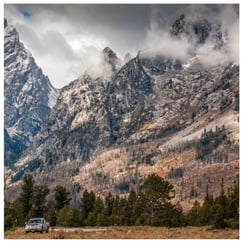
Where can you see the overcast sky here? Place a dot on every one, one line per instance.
(62, 36)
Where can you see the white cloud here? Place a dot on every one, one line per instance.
(57, 46)
(159, 41)
(63, 38)
(96, 66)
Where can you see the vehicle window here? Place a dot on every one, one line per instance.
(35, 221)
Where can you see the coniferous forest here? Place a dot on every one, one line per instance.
(150, 206)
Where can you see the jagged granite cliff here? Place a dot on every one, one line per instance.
(28, 96)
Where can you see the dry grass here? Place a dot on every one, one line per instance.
(116, 232)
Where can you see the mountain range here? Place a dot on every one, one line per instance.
(107, 132)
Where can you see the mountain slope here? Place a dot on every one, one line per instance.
(28, 93)
(150, 115)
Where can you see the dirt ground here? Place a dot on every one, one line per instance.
(124, 232)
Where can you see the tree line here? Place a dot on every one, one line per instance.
(150, 206)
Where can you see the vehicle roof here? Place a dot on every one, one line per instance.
(35, 218)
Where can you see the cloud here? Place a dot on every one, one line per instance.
(56, 44)
(159, 41)
(96, 66)
(230, 22)
(59, 46)
(60, 36)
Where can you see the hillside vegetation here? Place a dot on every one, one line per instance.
(151, 206)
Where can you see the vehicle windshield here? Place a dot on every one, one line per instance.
(34, 221)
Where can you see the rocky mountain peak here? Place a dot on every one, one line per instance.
(178, 26)
(29, 95)
(197, 29)
(111, 58)
(109, 53)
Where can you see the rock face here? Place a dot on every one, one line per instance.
(111, 58)
(200, 29)
(90, 114)
(28, 93)
(108, 134)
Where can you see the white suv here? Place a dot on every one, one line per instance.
(37, 225)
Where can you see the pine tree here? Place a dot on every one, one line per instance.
(177, 217)
(68, 216)
(61, 197)
(87, 204)
(156, 196)
(91, 219)
(26, 195)
(193, 215)
(39, 201)
(9, 219)
(138, 212)
(98, 206)
(102, 219)
(118, 211)
(233, 217)
(128, 217)
(220, 208)
(109, 200)
(205, 216)
(51, 214)
(13, 215)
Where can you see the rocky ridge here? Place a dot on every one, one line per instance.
(107, 135)
(28, 95)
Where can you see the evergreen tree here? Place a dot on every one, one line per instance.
(9, 219)
(209, 141)
(109, 200)
(13, 215)
(156, 196)
(138, 212)
(51, 214)
(91, 219)
(193, 215)
(220, 209)
(68, 217)
(39, 201)
(177, 217)
(95, 216)
(128, 214)
(233, 201)
(88, 202)
(102, 218)
(118, 211)
(205, 212)
(26, 195)
(98, 206)
(61, 197)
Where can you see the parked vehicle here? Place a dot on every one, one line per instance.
(37, 225)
